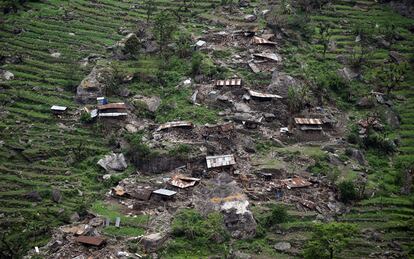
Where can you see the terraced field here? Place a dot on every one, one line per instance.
(42, 152)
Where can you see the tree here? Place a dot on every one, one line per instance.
(329, 239)
(347, 191)
(150, 8)
(392, 75)
(164, 28)
(325, 36)
(298, 97)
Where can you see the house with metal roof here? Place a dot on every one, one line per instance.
(229, 82)
(220, 161)
(308, 124)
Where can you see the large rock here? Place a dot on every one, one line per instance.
(150, 104)
(347, 74)
(238, 220)
(129, 45)
(153, 242)
(33, 196)
(282, 246)
(280, 84)
(6, 75)
(113, 162)
(366, 102)
(250, 18)
(56, 196)
(392, 118)
(356, 154)
(95, 84)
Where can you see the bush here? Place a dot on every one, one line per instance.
(85, 118)
(278, 214)
(347, 191)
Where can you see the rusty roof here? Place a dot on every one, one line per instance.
(112, 106)
(175, 124)
(308, 121)
(263, 95)
(89, 240)
(229, 82)
(219, 161)
(182, 181)
(295, 182)
(262, 41)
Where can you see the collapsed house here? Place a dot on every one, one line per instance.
(90, 240)
(229, 82)
(112, 110)
(306, 124)
(262, 41)
(57, 110)
(263, 96)
(269, 56)
(218, 128)
(164, 194)
(175, 124)
(220, 161)
(182, 181)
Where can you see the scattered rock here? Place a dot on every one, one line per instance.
(282, 246)
(153, 242)
(114, 162)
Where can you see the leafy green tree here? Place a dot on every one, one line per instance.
(164, 28)
(325, 36)
(392, 75)
(328, 240)
(347, 191)
(298, 96)
(150, 8)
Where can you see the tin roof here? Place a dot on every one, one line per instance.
(263, 95)
(272, 56)
(229, 82)
(254, 68)
(58, 108)
(295, 182)
(175, 124)
(262, 41)
(308, 121)
(112, 106)
(219, 161)
(164, 192)
(182, 181)
(88, 240)
(113, 114)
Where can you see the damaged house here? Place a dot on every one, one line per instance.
(262, 41)
(175, 124)
(307, 124)
(182, 181)
(57, 110)
(229, 82)
(220, 161)
(112, 110)
(263, 96)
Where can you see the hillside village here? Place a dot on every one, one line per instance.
(206, 129)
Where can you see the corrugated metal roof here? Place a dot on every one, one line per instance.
(88, 240)
(311, 127)
(295, 182)
(164, 192)
(263, 95)
(112, 106)
(175, 124)
(58, 108)
(254, 68)
(272, 56)
(113, 114)
(229, 82)
(219, 161)
(261, 41)
(183, 181)
(308, 121)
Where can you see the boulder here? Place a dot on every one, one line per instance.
(74, 217)
(250, 18)
(282, 246)
(153, 242)
(113, 162)
(127, 46)
(33, 196)
(6, 75)
(356, 154)
(238, 220)
(244, 3)
(280, 84)
(56, 196)
(392, 118)
(94, 85)
(366, 102)
(240, 255)
(150, 104)
(347, 74)
(241, 107)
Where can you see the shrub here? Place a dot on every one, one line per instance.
(347, 191)
(278, 214)
(85, 117)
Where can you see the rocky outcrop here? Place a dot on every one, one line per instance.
(113, 162)
(129, 45)
(95, 84)
(280, 84)
(238, 220)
